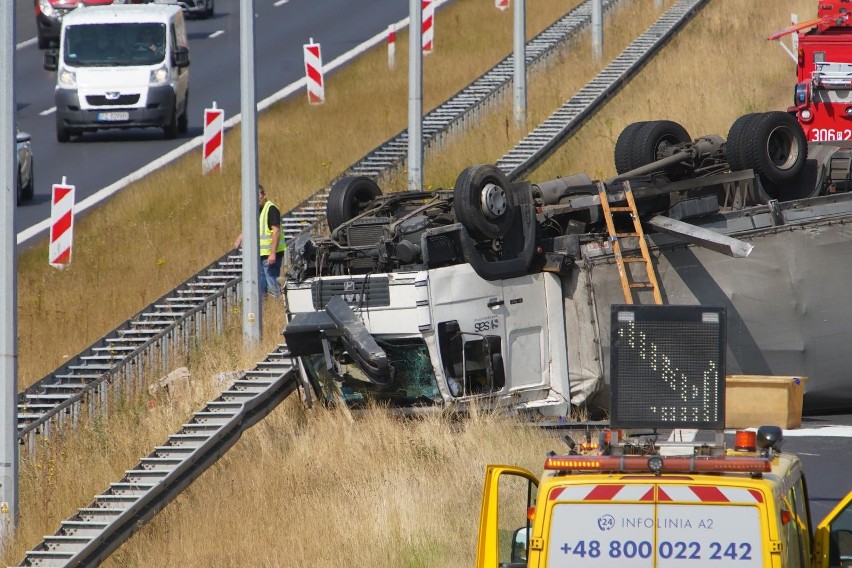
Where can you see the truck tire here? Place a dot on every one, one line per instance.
(624, 147)
(776, 146)
(736, 141)
(347, 198)
(484, 200)
(652, 138)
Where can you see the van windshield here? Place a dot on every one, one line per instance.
(110, 45)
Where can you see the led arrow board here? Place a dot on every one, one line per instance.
(668, 367)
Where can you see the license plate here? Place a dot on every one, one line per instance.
(113, 116)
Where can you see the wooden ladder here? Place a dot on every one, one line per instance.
(627, 285)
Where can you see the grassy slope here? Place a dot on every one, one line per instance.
(310, 487)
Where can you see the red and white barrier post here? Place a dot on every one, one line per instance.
(502, 5)
(391, 46)
(61, 224)
(214, 123)
(313, 72)
(428, 26)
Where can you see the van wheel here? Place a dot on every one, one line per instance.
(183, 119)
(171, 129)
(210, 8)
(484, 201)
(348, 197)
(62, 134)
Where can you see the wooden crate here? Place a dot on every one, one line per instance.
(759, 400)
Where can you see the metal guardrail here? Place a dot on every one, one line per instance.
(118, 362)
(144, 343)
(95, 531)
(548, 136)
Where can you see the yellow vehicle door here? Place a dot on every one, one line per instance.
(833, 538)
(508, 495)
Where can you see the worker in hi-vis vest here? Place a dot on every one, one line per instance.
(272, 244)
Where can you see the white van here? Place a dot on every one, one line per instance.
(121, 66)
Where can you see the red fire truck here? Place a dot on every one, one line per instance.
(823, 94)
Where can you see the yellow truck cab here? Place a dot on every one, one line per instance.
(638, 507)
(637, 500)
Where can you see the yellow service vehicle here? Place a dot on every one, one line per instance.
(638, 500)
(744, 507)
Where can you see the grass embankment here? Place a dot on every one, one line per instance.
(309, 488)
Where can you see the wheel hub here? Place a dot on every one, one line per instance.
(493, 201)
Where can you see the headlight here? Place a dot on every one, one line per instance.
(45, 7)
(159, 76)
(67, 79)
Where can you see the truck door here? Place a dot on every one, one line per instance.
(833, 538)
(507, 497)
(525, 309)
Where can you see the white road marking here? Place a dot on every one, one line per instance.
(280, 3)
(47, 112)
(178, 152)
(26, 43)
(824, 431)
(216, 34)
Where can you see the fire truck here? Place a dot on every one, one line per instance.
(823, 52)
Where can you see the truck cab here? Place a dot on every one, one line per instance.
(637, 502)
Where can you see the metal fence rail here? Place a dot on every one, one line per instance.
(95, 531)
(548, 136)
(118, 362)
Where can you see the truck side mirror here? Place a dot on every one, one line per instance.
(180, 57)
(51, 59)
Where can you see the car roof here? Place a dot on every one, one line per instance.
(122, 13)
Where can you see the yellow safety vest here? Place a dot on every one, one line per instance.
(266, 234)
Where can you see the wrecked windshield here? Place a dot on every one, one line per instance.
(413, 380)
(99, 45)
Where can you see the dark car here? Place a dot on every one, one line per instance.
(26, 183)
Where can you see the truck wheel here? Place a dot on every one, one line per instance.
(651, 140)
(776, 146)
(624, 147)
(736, 142)
(484, 201)
(347, 198)
(62, 134)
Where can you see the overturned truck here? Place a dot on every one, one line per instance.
(501, 292)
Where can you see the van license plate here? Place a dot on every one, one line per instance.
(113, 116)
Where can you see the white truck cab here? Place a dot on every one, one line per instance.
(121, 66)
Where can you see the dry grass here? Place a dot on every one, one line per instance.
(310, 488)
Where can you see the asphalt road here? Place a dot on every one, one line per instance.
(102, 158)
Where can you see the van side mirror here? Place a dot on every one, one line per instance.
(51, 59)
(180, 57)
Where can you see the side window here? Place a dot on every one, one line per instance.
(173, 39)
(795, 526)
(802, 517)
(472, 363)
